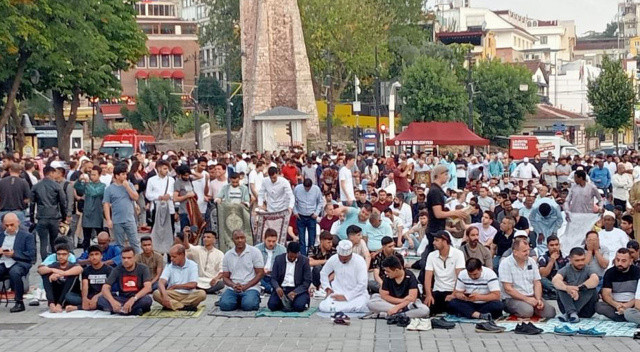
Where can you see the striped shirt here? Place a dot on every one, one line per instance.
(522, 278)
(485, 284)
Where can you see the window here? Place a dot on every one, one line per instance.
(140, 83)
(141, 9)
(153, 61)
(142, 62)
(177, 83)
(168, 29)
(515, 41)
(166, 60)
(177, 60)
(147, 28)
(543, 39)
(189, 29)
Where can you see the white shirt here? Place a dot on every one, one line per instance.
(209, 263)
(156, 187)
(278, 195)
(611, 241)
(484, 285)
(404, 213)
(269, 262)
(256, 178)
(621, 184)
(371, 170)
(198, 189)
(288, 273)
(346, 192)
(350, 279)
(215, 186)
(8, 242)
(444, 271)
(525, 170)
(106, 179)
(613, 167)
(241, 166)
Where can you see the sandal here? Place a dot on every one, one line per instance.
(341, 319)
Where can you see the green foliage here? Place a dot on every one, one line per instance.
(612, 95)
(156, 107)
(210, 93)
(501, 104)
(432, 92)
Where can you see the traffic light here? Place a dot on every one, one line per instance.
(289, 129)
(356, 83)
(383, 128)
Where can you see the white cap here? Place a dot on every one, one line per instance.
(526, 159)
(345, 248)
(608, 213)
(244, 156)
(210, 162)
(520, 233)
(165, 157)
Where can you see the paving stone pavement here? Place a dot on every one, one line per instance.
(26, 332)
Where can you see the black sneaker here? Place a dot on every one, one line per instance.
(488, 328)
(18, 307)
(403, 321)
(533, 327)
(527, 329)
(190, 308)
(486, 316)
(441, 323)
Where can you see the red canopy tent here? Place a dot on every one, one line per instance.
(431, 134)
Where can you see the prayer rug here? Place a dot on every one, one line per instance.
(79, 314)
(610, 327)
(278, 221)
(265, 312)
(232, 217)
(158, 312)
(353, 315)
(216, 312)
(513, 318)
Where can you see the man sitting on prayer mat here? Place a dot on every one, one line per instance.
(177, 287)
(348, 290)
(290, 278)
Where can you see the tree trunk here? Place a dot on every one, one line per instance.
(16, 121)
(615, 140)
(64, 126)
(11, 98)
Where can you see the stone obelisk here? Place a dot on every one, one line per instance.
(275, 66)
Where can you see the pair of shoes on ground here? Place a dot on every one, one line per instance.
(399, 319)
(566, 330)
(340, 318)
(569, 318)
(441, 323)
(419, 324)
(527, 329)
(489, 326)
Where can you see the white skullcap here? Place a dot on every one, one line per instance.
(608, 213)
(526, 159)
(520, 233)
(244, 156)
(345, 248)
(165, 157)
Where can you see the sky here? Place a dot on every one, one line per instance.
(588, 14)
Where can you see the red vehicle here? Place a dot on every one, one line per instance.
(125, 143)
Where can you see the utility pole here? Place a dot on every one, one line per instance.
(329, 111)
(228, 112)
(470, 90)
(194, 96)
(377, 99)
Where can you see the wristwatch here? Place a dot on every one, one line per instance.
(582, 288)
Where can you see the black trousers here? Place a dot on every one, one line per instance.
(16, 273)
(87, 234)
(439, 305)
(57, 290)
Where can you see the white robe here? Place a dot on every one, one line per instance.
(350, 280)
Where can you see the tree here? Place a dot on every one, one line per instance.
(612, 95)
(499, 100)
(91, 39)
(432, 92)
(156, 107)
(223, 33)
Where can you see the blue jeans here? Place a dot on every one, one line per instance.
(416, 242)
(184, 221)
(130, 230)
(232, 300)
(306, 224)
(266, 283)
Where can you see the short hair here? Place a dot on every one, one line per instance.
(386, 240)
(120, 168)
(368, 207)
(307, 183)
(270, 233)
(183, 170)
(575, 251)
(492, 216)
(326, 235)
(622, 250)
(202, 159)
(519, 240)
(293, 247)
(552, 238)
(128, 249)
(349, 157)
(47, 170)
(581, 174)
(633, 244)
(511, 219)
(392, 262)
(97, 168)
(473, 264)
(145, 238)
(353, 230)
(94, 248)
(63, 247)
(234, 176)
(162, 163)
(628, 218)
(272, 171)
(423, 212)
(212, 233)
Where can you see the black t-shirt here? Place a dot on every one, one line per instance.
(502, 242)
(522, 224)
(96, 277)
(621, 282)
(377, 263)
(129, 282)
(400, 290)
(435, 197)
(13, 192)
(76, 286)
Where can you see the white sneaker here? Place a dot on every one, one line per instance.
(424, 325)
(320, 294)
(413, 325)
(43, 295)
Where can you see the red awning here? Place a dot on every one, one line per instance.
(165, 50)
(165, 74)
(176, 50)
(437, 133)
(177, 74)
(154, 74)
(112, 111)
(142, 74)
(154, 51)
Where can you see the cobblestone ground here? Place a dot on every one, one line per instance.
(28, 332)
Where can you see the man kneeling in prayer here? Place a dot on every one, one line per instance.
(348, 290)
(398, 293)
(290, 279)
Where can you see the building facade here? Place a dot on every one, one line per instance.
(172, 45)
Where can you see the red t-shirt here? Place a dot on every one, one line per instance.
(402, 184)
(325, 224)
(291, 174)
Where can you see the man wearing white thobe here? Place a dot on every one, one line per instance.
(525, 170)
(348, 290)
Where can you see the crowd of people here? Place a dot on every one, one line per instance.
(402, 237)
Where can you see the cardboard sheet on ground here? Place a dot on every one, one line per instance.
(80, 314)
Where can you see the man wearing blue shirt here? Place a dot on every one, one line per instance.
(376, 229)
(601, 177)
(308, 207)
(110, 252)
(177, 288)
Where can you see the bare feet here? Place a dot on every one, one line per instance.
(55, 308)
(69, 309)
